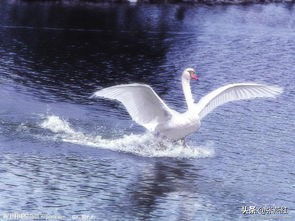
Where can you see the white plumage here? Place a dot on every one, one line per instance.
(148, 109)
(142, 103)
(234, 92)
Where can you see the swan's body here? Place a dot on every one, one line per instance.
(148, 109)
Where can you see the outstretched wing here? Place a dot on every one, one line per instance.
(142, 103)
(234, 92)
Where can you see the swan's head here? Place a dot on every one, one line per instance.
(189, 74)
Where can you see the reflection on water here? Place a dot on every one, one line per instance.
(59, 183)
(63, 153)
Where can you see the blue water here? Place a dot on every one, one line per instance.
(64, 154)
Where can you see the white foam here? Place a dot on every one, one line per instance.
(140, 144)
(57, 125)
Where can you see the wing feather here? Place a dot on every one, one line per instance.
(233, 92)
(140, 100)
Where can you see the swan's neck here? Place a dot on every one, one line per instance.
(187, 92)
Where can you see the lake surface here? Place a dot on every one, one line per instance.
(70, 157)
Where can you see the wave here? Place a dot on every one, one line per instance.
(145, 145)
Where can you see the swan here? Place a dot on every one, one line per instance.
(147, 109)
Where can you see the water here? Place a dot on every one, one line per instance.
(64, 154)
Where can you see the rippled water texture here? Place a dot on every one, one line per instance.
(65, 154)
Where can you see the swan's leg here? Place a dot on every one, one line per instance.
(183, 142)
(160, 139)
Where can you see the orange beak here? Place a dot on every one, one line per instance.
(194, 76)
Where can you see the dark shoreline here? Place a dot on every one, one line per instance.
(205, 2)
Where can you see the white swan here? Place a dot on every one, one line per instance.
(148, 109)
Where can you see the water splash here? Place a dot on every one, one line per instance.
(140, 144)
